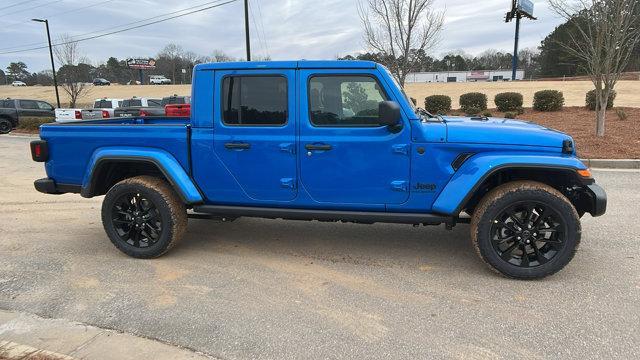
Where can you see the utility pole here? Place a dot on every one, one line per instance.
(53, 66)
(246, 28)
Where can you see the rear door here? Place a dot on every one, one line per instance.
(28, 108)
(346, 156)
(254, 131)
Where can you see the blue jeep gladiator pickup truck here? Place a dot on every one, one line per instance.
(327, 141)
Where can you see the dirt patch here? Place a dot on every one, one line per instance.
(622, 139)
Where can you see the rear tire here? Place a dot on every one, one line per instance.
(5, 126)
(525, 230)
(143, 217)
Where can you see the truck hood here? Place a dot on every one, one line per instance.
(501, 131)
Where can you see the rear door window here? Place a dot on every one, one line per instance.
(29, 104)
(254, 100)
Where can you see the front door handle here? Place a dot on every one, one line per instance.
(323, 147)
(237, 146)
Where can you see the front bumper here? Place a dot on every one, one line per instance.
(49, 186)
(598, 199)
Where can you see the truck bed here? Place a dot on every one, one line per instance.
(71, 145)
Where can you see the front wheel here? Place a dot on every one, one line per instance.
(143, 216)
(525, 230)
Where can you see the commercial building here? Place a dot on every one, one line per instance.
(463, 76)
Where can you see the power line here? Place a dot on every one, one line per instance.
(122, 30)
(18, 4)
(78, 9)
(33, 7)
(264, 36)
(115, 27)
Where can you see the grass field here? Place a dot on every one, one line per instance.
(574, 91)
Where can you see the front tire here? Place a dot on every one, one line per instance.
(143, 217)
(525, 230)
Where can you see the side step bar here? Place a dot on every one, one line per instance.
(323, 215)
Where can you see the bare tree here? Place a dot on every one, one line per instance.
(68, 54)
(606, 32)
(399, 29)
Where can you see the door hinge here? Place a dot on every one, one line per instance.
(288, 183)
(401, 149)
(400, 185)
(288, 147)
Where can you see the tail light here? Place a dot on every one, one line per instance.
(39, 150)
(105, 114)
(78, 115)
(143, 113)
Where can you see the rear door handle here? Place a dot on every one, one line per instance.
(237, 146)
(324, 147)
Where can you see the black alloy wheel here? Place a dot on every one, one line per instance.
(528, 234)
(136, 220)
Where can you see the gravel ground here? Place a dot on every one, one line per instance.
(269, 289)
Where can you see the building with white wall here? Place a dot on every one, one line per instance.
(463, 76)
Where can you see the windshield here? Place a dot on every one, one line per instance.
(395, 82)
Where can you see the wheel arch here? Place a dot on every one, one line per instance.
(109, 166)
(480, 174)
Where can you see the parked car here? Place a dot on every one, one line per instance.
(159, 80)
(284, 147)
(101, 82)
(172, 110)
(150, 107)
(102, 109)
(68, 114)
(18, 83)
(11, 110)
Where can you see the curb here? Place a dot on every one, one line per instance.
(26, 336)
(612, 163)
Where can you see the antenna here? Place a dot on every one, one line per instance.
(519, 9)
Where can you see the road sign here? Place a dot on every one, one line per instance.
(141, 63)
(526, 7)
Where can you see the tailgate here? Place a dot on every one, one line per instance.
(92, 114)
(65, 115)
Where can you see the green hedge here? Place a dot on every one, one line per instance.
(590, 100)
(508, 101)
(548, 100)
(437, 104)
(32, 123)
(473, 101)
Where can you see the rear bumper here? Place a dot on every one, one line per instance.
(49, 186)
(598, 199)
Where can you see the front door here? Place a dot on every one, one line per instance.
(254, 131)
(346, 157)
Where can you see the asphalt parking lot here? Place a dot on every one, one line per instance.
(284, 289)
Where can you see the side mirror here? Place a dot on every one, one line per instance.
(389, 113)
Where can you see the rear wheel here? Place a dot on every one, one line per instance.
(5, 126)
(143, 216)
(525, 230)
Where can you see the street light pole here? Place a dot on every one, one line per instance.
(246, 28)
(53, 66)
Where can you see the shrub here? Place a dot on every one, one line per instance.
(473, 100)
(520, 111)
(590, 100)
(548, 100)
(437, 104)
(487, 114)
(32, 123)
(472, 111)
(510, 115)
(621, 114)
(508, 101)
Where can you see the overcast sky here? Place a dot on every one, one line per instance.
(283, 29)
